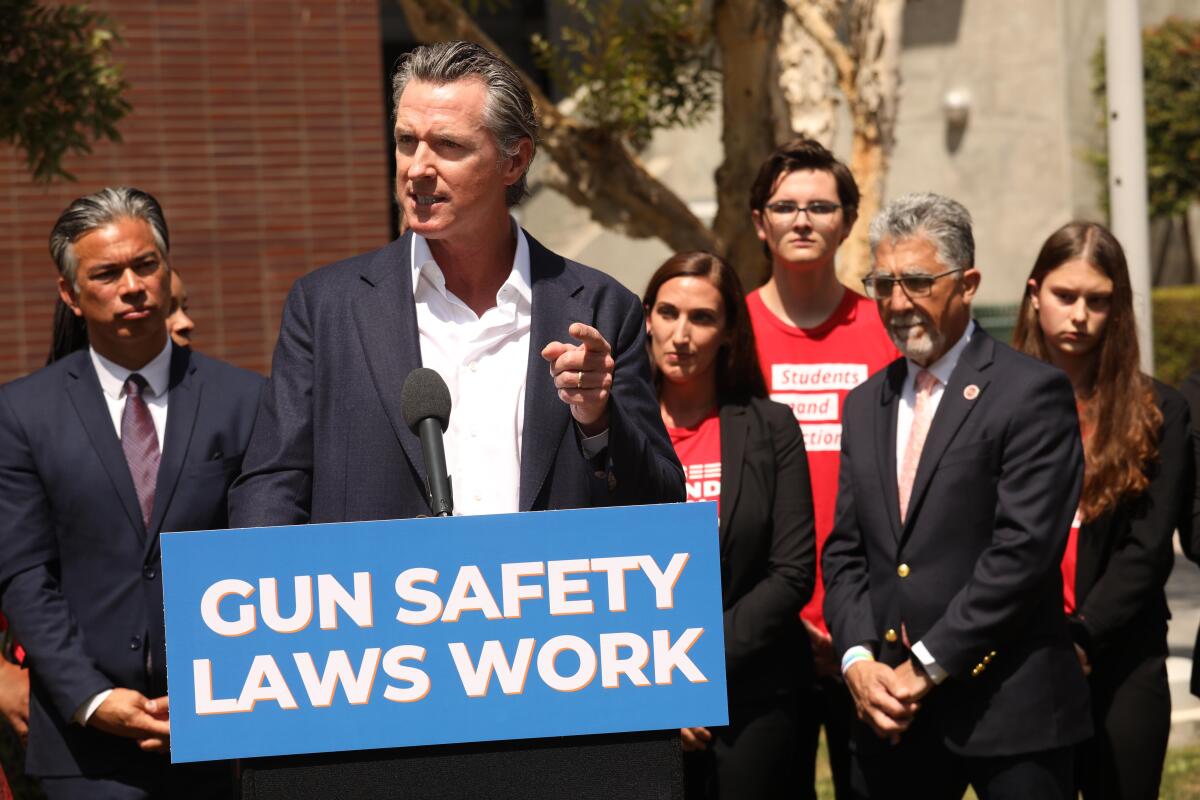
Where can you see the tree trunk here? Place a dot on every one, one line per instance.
(807, 80)
(747, 33)
(595, 170)
(876, 27)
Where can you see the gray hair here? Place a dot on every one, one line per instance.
(945, 222)
(508, 113)
(96, 210)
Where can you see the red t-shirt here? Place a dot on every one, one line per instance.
(1071, 554)
(699, 450)
(812, 370)
(1070, 557)
(18, 651)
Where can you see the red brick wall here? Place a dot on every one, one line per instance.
(260, 127)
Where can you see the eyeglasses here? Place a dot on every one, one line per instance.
(880, 287)
(785, 211)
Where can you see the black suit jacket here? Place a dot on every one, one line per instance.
(331, 444)
(768, 550)
(1125, 555)
(1189, 530)
(973, 572)
(79, 571)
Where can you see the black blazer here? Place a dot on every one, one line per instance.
(1189, 530)
(79, 571)
(768, 549)
(973, 572)
(331, 444)
(1125, 555)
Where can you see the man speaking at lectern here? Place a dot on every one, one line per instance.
(544, 358)
(546, 364)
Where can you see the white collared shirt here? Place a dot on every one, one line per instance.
(942, 369)
(112, 384)
(483, 360)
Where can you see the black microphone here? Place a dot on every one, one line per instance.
(425, 400)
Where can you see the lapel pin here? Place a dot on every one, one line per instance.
(971, 392)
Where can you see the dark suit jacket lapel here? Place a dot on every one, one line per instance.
(83, 387)
(885, 439)
(952, 412)
(556, 305)
(386, 318)
(735, 430)
(183, 402)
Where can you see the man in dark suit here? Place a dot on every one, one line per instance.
(538, 422)
(85, 489)
(961, 469)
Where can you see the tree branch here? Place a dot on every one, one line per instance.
(819, 28)
(599, 172)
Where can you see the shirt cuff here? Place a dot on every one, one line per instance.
(592, 446)
(853, 655)
(85, 711)
(935, 673)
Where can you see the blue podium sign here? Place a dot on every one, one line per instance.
(351, 636)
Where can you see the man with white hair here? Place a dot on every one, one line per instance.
(961, 469)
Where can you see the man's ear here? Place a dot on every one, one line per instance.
(970, 283)
(67, 292)
(518, 163)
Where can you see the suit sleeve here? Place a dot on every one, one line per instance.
(275, 487)
(641, 461)
(29, 590)
(758, 617)
(1141, 561)
(844, 560)
(1040, 475)
(1189, 532)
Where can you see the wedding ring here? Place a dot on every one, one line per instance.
(579, 380)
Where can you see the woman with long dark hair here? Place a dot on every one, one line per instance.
(1077, 314)
(68, 334)
(747, 453)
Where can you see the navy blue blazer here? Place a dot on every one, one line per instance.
(973, 572)
(79, 571)
(331, 445)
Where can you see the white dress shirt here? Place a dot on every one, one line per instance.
(941, 369)
(483, 360)
(112, 385)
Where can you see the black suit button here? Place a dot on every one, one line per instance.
(135, 642)
(148, 572)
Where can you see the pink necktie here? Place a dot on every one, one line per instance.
(139, 440)
(922, 416)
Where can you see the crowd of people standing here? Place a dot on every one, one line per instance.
(947, 552)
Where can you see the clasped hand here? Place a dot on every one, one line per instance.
(131, 714)
(887, 699)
